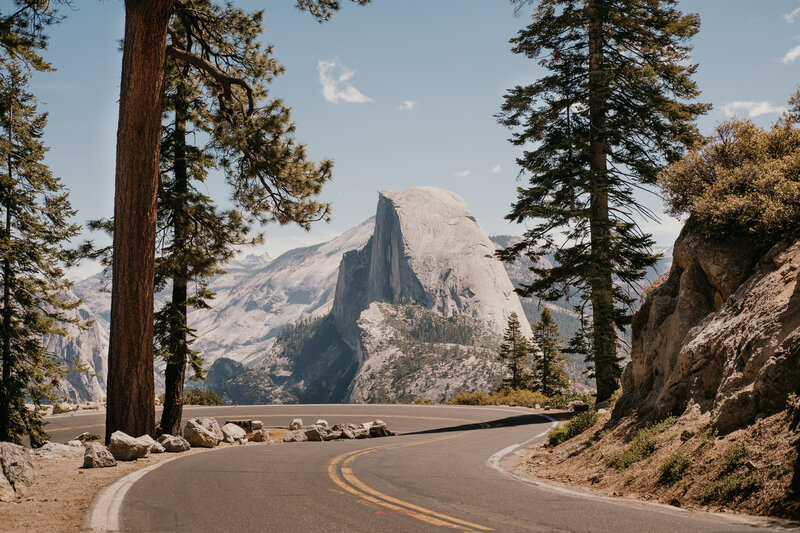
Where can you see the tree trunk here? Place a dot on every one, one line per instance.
(131, 394)
(5, 388)
(175, 373)
(604, 344)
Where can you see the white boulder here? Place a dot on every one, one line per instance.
(126, 448)
(96, 455)
(297, 423)
(203, 432)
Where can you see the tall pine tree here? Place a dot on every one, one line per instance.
(613, 109)
(549, 377)
(35, 226)
(515, 353)
(268, 172)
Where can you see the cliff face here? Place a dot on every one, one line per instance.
(722, 331)
(427, 248)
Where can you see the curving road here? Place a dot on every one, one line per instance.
(444, 472)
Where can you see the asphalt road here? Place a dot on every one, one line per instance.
(444, 472)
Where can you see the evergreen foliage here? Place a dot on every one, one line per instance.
(549, 377)
(612, 111)
(742, 182)
(35, 226)
(514, 352)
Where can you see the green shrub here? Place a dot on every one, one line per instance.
(470, 398)
(523, 397)
(734, 458)
(642, 446)
(201, 397)
(732, 486)
(574, 427)
(745, 181)
(673, 468)
(422, 401)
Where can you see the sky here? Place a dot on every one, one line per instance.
(399, 93)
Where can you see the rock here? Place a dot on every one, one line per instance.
(203, 432)
(126, 448)
(321, 422)
(61, 408)
(173, 443)
(332, 435)
(233, 432)
(361, 433)
(157, 448)
(378, 431)
(95, 455)
(297, 423)
(148, 441)
(379, 423)
(687, 434)
(256, 425)
(53, 450)
(315, 433)
(16, 469)
(86, 437)
(295, 436)
(260, 435)
(347, 433)
(602, 411)
(75, 444)
(721, 331)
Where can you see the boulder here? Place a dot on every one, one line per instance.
(54, 450)
(321, 422)
(148, 441)
(347, 433)
(315, 433)
(379, 423)
(378, 431)
(173, 443)
(361, 433)
(126, 448)
(157, 448)
(203, 432)
(256, 424)
(260, 435)
(86, 437)
(16, 469)
(61, 408)
(233, 432)
(95, 455)
(295, 436)
(297, 423)
(332, 435)
(75, 444)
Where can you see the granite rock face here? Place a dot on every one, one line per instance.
(722, 331)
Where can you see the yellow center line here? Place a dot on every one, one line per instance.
(341, 473)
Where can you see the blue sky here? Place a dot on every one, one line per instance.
(399, 93)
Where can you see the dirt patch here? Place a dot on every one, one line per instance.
(680, 462)
(62, 491)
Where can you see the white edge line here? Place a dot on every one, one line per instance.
(495, 459)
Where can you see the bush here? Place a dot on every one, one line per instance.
(732, 486)
(201, 397)
(574, 427)
(642, 446)
(673, 468)
(523, 397)
(745, 181)
(470, 398)
(734, 458)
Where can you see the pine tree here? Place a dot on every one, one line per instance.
(515, 352)
(35, 226)
(612, 111)
(269, 173)
(549, 377)
(131, 397)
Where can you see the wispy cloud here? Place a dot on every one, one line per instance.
(752, 109)
(408, 105)
(791, 55)
(497, 169)
(462, 173)
(792, 16)
(335, 80)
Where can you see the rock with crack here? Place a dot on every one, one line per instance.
(203, 432)
(297, 423)
(126, 448)
(95, 455)
(16, 471)
(173, 443)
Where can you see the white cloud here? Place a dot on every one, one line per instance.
(462, 173)
(752, 109)
(791, 55)
(408, 105)
(335, 80)
(791, 17)
(496, 169)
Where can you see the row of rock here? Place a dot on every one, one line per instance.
(123, 447)
(320, 431)
(207, 433)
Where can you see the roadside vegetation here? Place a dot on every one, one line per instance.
(520, 397)
(197, 397)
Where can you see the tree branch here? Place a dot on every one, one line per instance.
(225, 81)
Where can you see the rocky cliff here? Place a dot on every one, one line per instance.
(722, 330)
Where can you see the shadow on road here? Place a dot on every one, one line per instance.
(521, 420)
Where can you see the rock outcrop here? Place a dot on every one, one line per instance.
(16, 471)
(722, 331)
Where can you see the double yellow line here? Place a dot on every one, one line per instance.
(341, 473)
